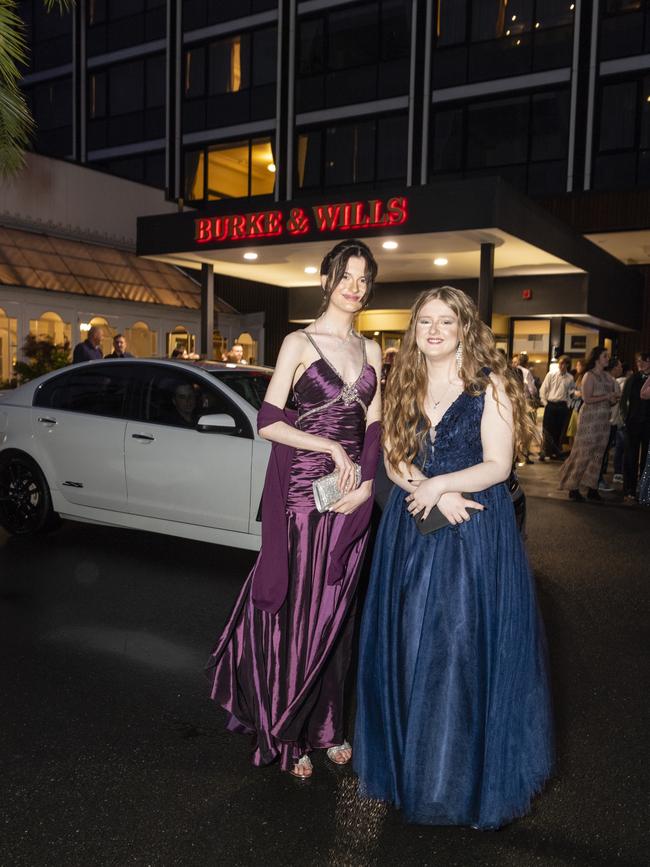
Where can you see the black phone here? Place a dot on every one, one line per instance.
(436, 520)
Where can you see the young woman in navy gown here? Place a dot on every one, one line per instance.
(454, 718)
(280, 665)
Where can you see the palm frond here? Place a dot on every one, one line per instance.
(16, 123)
(13, 48)
(16, 127)
(61, 5)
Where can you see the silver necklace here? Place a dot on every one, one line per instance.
(436, 403)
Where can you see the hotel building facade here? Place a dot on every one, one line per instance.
(517, 132)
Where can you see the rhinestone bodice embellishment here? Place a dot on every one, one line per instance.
(350, 394)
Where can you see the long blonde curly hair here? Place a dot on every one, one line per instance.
(406, 387)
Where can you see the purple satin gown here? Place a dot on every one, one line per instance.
(281, 676)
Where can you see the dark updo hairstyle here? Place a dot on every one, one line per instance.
(594, 355)
(335, 263)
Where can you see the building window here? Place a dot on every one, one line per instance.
(230, 170)
(51, 107)
(198, 13)
(8, 345)
(126, 103)
(49, 36)
(230, 80)
(180, 339)
(533, 337)
(624, 28)
(622, 158)
(353, 55)
(141, 340)
(523, 139)
(116, 24)
(144, 168)
(362, 152)
(479, 40)
(50, 326)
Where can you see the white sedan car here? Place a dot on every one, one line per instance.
(165, 446)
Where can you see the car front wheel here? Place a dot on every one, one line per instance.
(25, 502)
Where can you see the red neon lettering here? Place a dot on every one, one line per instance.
(327, 217)
(202, 230)
(221, 228)
(360, 218)
(297, 223)
(378, 216)
(273, 222)
(254, 224)
(237, 227)
(347, 216)
(397, 212)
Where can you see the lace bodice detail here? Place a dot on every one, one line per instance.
(455, 443)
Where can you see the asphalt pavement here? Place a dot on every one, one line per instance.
(112, 753)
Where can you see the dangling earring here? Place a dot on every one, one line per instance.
(459, 357)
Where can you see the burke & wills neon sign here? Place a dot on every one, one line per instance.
(340, 217)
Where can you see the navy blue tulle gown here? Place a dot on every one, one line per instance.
(454, 722)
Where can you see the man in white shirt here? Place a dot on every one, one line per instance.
(555, 395)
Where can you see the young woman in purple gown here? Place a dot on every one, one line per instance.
(280, 665)
(454, 718)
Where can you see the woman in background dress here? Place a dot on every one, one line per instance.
(644, 485)
(280, 665)
(454, 717)
(599, 394)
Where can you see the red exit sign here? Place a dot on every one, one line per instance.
(340, 217)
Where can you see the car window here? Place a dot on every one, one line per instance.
(172, 397)
(249, 384)
(95, 390)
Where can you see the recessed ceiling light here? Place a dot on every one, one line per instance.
(311, 269)
(271, 167)
(390, 245)
(440, 261)
(250, 256)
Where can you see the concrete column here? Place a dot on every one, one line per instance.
(206, 349)
(486, 283)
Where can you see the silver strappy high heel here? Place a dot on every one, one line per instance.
(333, 752)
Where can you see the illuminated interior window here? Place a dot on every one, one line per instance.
(228, 170)
(579, 339)
(194, 175)
(140, 340)
(263, 168)
(303, 142)
(8, 341)
(532, 337)
(51, 325)
(235, 65)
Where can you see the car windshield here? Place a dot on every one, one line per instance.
(249, 384)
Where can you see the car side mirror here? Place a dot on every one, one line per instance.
(218, 422)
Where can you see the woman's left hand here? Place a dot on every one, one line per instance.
(350, 502)
(425, 497)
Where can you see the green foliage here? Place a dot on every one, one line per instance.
(44, 355)
(16, 123)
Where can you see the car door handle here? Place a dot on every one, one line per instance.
(143, 437)
(46, 420)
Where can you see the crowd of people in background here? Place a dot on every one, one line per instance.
(90, 349)
(593, 411)
(599, 406)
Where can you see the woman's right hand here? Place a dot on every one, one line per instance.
(454, 507)
(345, 467)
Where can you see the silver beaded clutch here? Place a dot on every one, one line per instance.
(326, 489)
